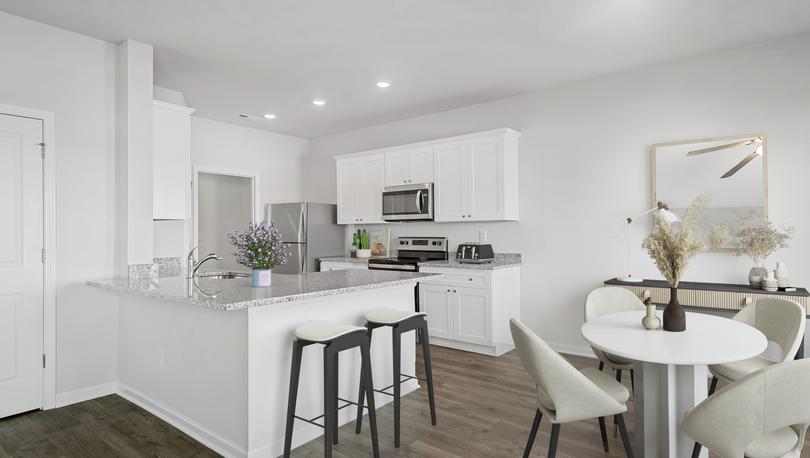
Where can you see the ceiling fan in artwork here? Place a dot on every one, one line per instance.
(747, 142)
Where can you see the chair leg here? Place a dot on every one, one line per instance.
(615, 425)
(628, 449)
(603, 430)
(359, 422)
(369, 385)
(335, 387)
(601, 365)
(428, 373)
(396, 338)
(328, 401)
(533, 434)
(633, 382)
(713, 386)
(552, 445)
(696, 450)
(295, 372)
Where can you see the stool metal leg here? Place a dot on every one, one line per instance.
(428, 372)
(335, 387)
(328, 400)
(396, 337)
(368, 383)
(360, 397)
(295, 372)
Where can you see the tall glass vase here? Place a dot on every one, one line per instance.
(674, 316)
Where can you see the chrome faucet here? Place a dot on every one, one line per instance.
(193, 265)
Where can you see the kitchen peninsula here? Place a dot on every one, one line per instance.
(212, 356)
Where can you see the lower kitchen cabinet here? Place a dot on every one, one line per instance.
(469, 309)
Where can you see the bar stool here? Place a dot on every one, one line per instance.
(400, 321)
(335, 337)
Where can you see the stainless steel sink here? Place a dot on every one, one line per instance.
(223, 275)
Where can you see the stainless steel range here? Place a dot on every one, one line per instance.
(410, 252)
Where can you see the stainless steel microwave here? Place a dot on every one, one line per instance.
(412, 202)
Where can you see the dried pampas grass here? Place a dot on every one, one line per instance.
(672, 249)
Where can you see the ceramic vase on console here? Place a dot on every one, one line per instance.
(770, 283)
(674, 315)
(782, 275)
(262, 278)
(756, 275)
(650, 320)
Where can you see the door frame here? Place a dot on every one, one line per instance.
(254, 191)
(48, 119)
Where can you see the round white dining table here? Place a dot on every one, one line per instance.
(671, 370)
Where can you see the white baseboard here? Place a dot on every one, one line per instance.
(572, 350)
(216, 443)
(85, 394)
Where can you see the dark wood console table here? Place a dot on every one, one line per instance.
(711, 296)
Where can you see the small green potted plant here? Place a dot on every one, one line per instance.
(260, 249)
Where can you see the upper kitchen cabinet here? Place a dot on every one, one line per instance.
(409, 166)
(171, 160)
(476, 178)
(360, 181)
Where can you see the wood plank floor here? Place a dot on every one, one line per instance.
(485, 409)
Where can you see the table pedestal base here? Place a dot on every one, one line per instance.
(667, 392)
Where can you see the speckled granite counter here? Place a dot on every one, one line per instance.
(502, 261)
(237, 294)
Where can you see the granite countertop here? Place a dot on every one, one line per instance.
(237, 294)
(502, 261)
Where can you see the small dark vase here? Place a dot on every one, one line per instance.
(674, 316)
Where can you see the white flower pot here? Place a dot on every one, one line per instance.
(262, 278)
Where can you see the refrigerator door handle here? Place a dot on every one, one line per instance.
(302, 256)
(302, 224)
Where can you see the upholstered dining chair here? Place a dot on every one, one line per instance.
(612, 299)
(781, 320)
(762, 415)
(565, 394)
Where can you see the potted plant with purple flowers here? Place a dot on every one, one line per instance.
(260, 248)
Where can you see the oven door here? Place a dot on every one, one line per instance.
(408, 203)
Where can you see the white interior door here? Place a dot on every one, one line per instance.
(21, 267)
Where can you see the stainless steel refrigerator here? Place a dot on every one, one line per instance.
(312, 231)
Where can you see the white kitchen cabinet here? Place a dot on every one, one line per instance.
(328, 266)
(360, 181)
(477, 178)
(409, 166)
(171, 160)
(470, 309)
(437, 302)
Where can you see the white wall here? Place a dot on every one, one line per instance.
(74, 77)
(585, 165)
(277, 158)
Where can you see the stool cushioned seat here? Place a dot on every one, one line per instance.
(390, 316)
(321, 331)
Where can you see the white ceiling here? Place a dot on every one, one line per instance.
(272, 56)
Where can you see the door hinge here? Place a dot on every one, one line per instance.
(43, 361)
(42, 145)
(43, 255)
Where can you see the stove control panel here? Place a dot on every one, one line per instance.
(423, 243)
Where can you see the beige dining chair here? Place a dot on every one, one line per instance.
(612, 299)
(781, 320)
(565, 394)
(762, 415)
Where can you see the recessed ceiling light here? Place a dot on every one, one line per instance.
(383, 84)
(319, 102)
(269, 116)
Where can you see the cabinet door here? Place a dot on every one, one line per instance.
(473, 316)
(436, 301)
(170, 145)
(452, 186)
(348, 182)
(397, 167)
(372, 182)
(485, 172)
(421, 164)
